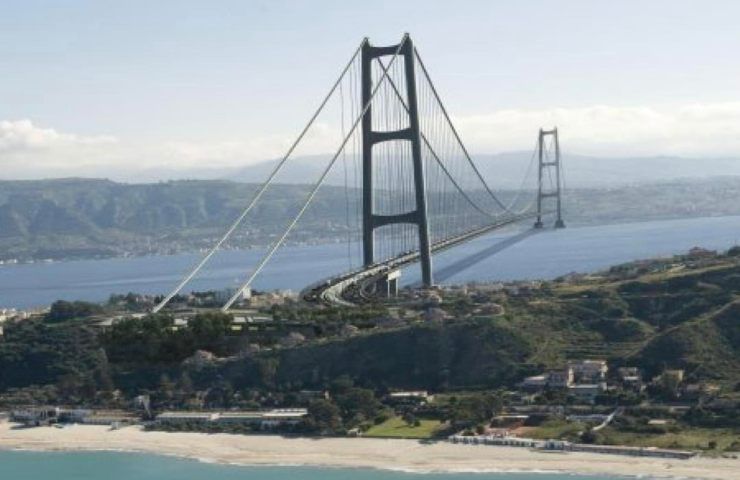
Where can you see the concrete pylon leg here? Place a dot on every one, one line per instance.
(387, 286)
(371, 220)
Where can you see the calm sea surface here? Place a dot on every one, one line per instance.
(128, 466)
(544, 255)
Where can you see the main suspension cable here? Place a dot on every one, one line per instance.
(266, 258)
(441, 164)
(454, 131)
(262, 189)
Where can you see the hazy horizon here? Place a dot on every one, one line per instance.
(503, 170)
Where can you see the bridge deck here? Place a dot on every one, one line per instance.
(349, 288)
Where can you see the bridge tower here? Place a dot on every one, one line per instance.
(546, 164)
(418, 216)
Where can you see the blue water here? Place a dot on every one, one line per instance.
(129, 466)
(545, 255)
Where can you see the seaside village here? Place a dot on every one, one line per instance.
(567, 408)
(581, 382)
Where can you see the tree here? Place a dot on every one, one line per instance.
(477, 408)
(358, 403)
(667, 386)
(409, 418)
(324, 416)
(70, 386)
(62, 310)
(268, 368)
(103, 377)
(185, 384)
(341, 384)
(166, 386)
(589, 436)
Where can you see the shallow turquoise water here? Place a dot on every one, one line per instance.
(129, 466)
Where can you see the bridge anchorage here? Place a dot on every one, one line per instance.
(417, 190)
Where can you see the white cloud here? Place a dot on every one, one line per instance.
(321, 138)
(687, 130)
(23, 135)
(30, 151)
(695, 130)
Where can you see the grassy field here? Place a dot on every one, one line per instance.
(688, 438)
(396, 427)
(556, 429)
(724, 439)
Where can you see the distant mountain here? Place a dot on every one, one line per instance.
(80, 218)
(91, 217)
(506, 170)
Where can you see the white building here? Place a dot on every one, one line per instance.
(266, 419)
(410, 396)
(589, 371)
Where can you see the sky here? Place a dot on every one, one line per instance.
(111, 88)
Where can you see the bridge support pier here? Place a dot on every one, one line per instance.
(546, 164)
(387, 286)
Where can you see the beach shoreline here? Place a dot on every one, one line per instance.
(385, 454)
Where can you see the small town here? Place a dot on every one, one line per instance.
(400, 413)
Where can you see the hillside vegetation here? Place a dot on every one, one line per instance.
(652, 315)
(77, 218)
(94, 218)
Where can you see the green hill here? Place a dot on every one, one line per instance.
(67, 218)
(679, 313)
(87, 218)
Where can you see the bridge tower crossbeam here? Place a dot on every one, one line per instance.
(418, 216)
(544, 165)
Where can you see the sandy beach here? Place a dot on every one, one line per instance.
(408, 455)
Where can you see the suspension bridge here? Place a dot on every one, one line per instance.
(415, 190)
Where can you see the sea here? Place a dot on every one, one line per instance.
(544, 255)
(23, 465)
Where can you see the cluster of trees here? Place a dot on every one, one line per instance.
(132, 302)
(474, 409)
(298, 312)
(349, 406)
(59, 361)
(152, 339)
(62, 310)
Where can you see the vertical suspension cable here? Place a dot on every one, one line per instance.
(262, 188)
(346, 186)
(266, 258)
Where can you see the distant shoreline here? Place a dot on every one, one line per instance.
(328, 241)
(398, 455)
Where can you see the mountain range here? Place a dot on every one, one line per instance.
(82, 218)
(504, 170)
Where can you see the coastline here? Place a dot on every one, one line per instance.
(384, 454)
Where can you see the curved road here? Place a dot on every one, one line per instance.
(350, 288)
